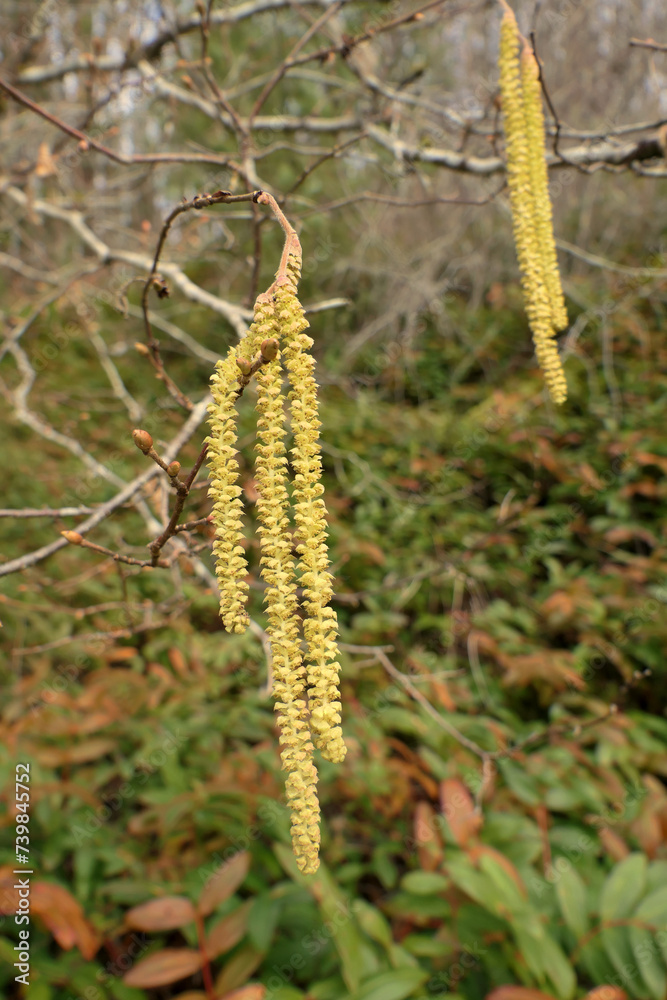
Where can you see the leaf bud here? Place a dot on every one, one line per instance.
(269, 349)
(173, 469)
(73, 537)
(244, 366)
(143, 440)
(141, 349)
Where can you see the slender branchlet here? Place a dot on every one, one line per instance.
(305, 689)
(531, 209)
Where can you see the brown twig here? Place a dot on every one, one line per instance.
(289, 61)
(155, 281)
(86, 142)
(74, 538)
(182, 490)
(191, 525)
(648, 43)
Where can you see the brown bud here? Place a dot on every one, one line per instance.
(143, 440)
(173, 469)
(141, 349)
(244, 366)
(269, 349)
(73, 537)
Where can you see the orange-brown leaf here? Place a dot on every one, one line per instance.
(458, 809)
(161, 914)
(64, 917)
(613, 845)
(224, 882)
(227, 932)
(606, 993)
(45, 165)
(80, 753)
(163, 967)
(253, 991)
(517, 993)
(427, 837)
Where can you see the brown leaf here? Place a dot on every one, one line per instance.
(45, 165)
(177, 660)
(167, 966)
(224, 882)
(118, 654)
(517, 993)
(606, 993)
(227, 932)
(616, 848)
(427, 837)
(559, 607)
(161, 914)
(253, 991)
(550, 665)
(80, 753)
(64, 917)
(458, 809)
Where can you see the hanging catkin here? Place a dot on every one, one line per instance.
(529, 199)
(302, 637)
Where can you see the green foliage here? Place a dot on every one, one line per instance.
(511, 560)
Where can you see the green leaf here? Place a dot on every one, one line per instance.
(558, 968)
(373, 923)
(653, 908)
(573, 901)
(616, 941)
(396, 985)
(594, 960)
(262, 921)
(475, 885)
(513, 898)
(623, 888)
(529, 940)
(657, 875)
(401, 958)
(649, 963)
(523, 785)
(425, 883)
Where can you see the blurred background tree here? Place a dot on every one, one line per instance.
(498, 827)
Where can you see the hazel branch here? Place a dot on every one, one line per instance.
(74, 538)
(154, 280)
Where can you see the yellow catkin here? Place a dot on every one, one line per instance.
(263, 326)
(230, 561)
(320, 624)
(278, 572)
(522, 200)
(535, 134)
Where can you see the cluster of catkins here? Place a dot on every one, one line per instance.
(303, 637)
(529, 198)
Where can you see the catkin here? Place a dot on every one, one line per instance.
(320, 625)
(230, 561)
(305, 685)
(531, 207)
(278, 572)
